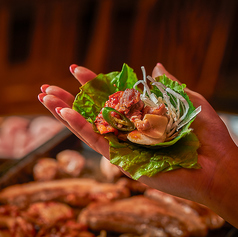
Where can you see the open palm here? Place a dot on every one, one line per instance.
(216, 150)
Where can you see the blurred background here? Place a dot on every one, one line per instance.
(195, 40)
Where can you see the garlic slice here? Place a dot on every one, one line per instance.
(154, 133)
(139, 138)
(158, 125)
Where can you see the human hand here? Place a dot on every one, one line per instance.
(215, 184)
(216, 153)
(59, 103)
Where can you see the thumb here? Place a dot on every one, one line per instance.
(159, 70)
(82, 74)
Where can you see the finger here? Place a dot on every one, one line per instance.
(85, 130)
(51, 102)
(58, 109)
(67, 97)
(159, 70)
(82, 74)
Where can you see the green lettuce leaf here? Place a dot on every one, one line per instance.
(138, 160)
(93, 95)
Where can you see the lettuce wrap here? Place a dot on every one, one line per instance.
(138, 160)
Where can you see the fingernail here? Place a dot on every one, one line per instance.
(58, 109)
(44, 87)
(41, 97)
(72, 68)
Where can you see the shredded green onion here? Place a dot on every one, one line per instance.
(178, 113)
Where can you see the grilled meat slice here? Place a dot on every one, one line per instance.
(69, 228)
(20, 135)
(70, 162)
(110, 172)
(74, 191)
(197, 217)
(45, 169)
(137, 215)
(130, 103)
(14, 224)
(48, 219)
(48, 213)
(126, 102)
(135, 186)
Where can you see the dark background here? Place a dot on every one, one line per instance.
(195, 40)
